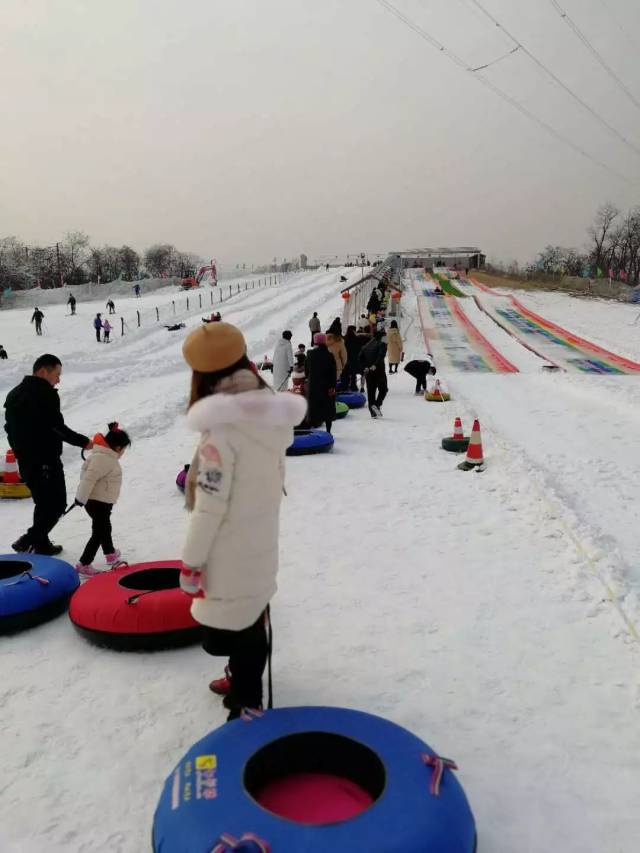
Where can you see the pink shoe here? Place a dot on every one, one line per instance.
(87, 571)
(112, 558)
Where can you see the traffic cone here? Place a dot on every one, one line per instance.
(456, 443)
(436, 389)
(458, 435)
(475, 459)
(11, 474)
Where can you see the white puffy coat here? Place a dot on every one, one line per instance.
(282, 364)
(101, 476)
(237, 488)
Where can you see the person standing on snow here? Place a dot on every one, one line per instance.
(37, 318)
(335, 345)
(314, 325)
(36, 429)
(320, 369)
(236, 476)
(136, 290)
(3, 353)
(394, 347)
(106, 327)
(71, 302)
(98, 491)
(111, 306)
(353, 345)
(282, 362)
(97, 325)
(372, 357)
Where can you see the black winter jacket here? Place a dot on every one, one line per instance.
(373, 354)
(320, 368)
(34, 423)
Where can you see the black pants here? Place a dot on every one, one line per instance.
(112, 310)
(377, 387)
(106, 337)
(49, 491)
(98, 335)
(393, 368)
(349, 378)
(100, 514)
(421, 384)
(38, 328)
(247, 651)
(313, 334)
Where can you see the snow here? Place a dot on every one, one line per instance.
(470, 608)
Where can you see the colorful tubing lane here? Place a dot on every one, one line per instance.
(459, 340)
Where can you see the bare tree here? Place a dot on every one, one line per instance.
(74, 255)
(600, 233)
(159, 259)
(129, 263)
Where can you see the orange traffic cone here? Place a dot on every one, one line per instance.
(475, 459)
(456, 443)
(11, 474)
(457, 430)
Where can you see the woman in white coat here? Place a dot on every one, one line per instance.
(282, 362)
(234, 489)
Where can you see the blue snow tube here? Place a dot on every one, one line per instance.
(33, 589)
(211, 791)
(307, 441)
(353, 399)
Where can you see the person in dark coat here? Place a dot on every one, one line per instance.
(420, 369)
(353, 344)
(320, 370)
(372, 356)
(373, 305)
(71, 302)
(37, 318)
(336, 327)
(3, 353)
(97, 325)
(111, 306)
(36, 429)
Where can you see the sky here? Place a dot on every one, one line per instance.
(248, 130)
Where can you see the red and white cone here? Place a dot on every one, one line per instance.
(458, 435)
(475, 458)
(11, 474)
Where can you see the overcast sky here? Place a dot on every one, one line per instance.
(249, 129)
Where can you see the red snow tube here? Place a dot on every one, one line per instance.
(136, 608)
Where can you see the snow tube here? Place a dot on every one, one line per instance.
(342, 410)
(307, 441)
(455, 445)
(14, 491)
(33, 589)
(181, 479)
(353, 399)
(440, 397)
(136, 608)
(376, 787)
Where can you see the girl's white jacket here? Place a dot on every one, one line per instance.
(234, 489)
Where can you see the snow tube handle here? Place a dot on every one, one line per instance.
(28, 576)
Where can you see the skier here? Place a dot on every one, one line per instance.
(237, 474)
(282, 362)
(111, 306)
(372, 357)
(136, 290)
(320, 369)
(37, 318)
(314, 325)
(71, 302)
(3, 353)
(107, 327)
(36, 429)
(97, 325)
(98, 491)
(394, 347)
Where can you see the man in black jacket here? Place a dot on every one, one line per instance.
(36, 429)
(320, 368)
(372, 357)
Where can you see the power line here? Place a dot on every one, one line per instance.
(585, 41)
(496, 90)
(556, 79)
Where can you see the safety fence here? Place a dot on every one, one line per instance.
(193, 302)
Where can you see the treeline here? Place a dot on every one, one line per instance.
(612, 250)
(75, 261)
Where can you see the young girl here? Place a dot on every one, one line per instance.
(98, 491)
(234, 488)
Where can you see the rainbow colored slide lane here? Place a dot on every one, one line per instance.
(550, 341)
(449, 333)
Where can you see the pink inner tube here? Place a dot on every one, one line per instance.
(314, 798)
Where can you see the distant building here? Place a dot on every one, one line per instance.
(462, 257)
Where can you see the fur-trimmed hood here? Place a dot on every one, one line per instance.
(260, 408)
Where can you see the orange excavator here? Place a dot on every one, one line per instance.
(194, 279)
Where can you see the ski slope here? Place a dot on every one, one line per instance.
(455, 604)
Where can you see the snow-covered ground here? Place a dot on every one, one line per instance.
(471, 608)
